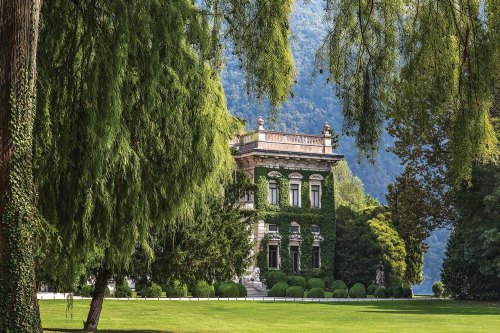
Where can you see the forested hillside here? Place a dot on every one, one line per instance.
(313, 102)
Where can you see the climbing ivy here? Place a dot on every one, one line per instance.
(283, 214)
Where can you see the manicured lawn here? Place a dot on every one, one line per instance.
(246, 316)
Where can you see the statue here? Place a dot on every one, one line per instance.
(256, 274)
(380, 277)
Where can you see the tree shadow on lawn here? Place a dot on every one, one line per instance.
(67, 330)
(437, 307)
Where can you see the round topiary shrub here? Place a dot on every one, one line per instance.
(278, 290)
(438, 289)
(151, 291)
(339, 293)
(371, 289)
(407, 292)
(295, 280)
(295, 291)
(273, 277)
(316, 293)
(380, 293)
(338, 284)
(203, 289)
(315, 283)
(357, 291)
(177, 289)
(242, 290)
(122, 289)
(229, 290)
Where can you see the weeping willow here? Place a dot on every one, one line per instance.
(132, 127)
(416, 62)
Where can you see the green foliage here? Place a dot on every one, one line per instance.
(85, 290)
(152, 291)
(295, 291)
(122, 290)
(140, 134)
(229, 290)
(315, 283)
(261, 194)
(371, 289)
(284, 192)
(391, 291)
(438, 289)
(338, 284)
(365, 240)
(471, 269)
(380, 293)
(316, 293)
(177, 289)
(274, 277)
(242, 291)
(278, 290)
(407, 292)
(349, 190)
(203, 289)
(397, 292)
(295, 280)
(357, 291)
(339, 293)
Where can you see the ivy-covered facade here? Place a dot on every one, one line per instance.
(294, 197)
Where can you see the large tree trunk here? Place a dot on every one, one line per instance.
(97, 299)
(18, 45)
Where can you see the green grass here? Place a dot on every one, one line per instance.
(253, 316)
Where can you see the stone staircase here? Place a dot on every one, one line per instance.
(252, 292)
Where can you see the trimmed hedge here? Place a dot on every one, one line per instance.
(295, 280)
(371, 289)
(339, 293)
(316, 293)
(338, 284)
(357, 291)
(380, 293)
(315, 283)
(229, 290)
(273, 277)
(242, 290)
(177, 289)
(122, 289)
(203, 289)
(278, 290)
(151, 291)
(295, 291)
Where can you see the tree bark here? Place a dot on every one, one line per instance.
(19, 21)
(97, 299)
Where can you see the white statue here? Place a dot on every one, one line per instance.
(256, 274)
(380, 277)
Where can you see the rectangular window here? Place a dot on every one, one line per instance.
(273, 193)
(315, 196)
(273, 228)
(273, 256)
(315, 229)
(248, 196)
(315, 257)
(294, 229)
(294, 195)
